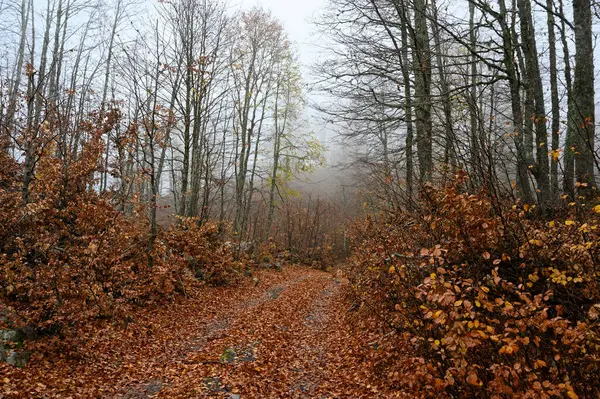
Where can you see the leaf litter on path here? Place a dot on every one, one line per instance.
(286, 337)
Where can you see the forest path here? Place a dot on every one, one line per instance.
(288, 336)
(283, 343)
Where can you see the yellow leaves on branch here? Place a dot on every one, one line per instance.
(555, 155)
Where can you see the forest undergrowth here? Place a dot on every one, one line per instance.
(462, 295)
(485, 298)
(173, 225)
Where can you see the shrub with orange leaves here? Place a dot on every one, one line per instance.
(67, 256)
(493, 301)
(201, 248)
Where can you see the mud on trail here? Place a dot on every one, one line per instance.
(285, 337)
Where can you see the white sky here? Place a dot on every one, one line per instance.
(296, 16)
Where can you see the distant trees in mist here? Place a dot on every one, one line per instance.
(503, 90)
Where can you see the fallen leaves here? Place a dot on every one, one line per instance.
(300, 344)
(107, 359)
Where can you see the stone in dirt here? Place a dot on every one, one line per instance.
(10, 336)
(10, 342)
(275, 292)
(228, 355)
(15, 358)
(275, 266)
(215, 385)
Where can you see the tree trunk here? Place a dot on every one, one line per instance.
(569, 156)
(408, 107)
(583, 97)
(422, 66)
(17, 73)
(475, 142)
(554, 189)
(105, 89)
(534, 81)
(449, 136)
(515, 97)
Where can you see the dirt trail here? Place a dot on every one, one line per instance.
(285, 337)
(274, 346)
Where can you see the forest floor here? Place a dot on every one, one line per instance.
(287, 336)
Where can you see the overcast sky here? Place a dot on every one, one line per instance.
(295, 16)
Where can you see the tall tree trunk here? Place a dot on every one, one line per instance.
(167, 138)
(151, 133)
(449, 136)
(554, 189)
(527, 96)
(515, 97)
(248, 199)
(474, 142)
(40, 91)
(18, 71)
(408, 106)
(56, 59)
(29, 161)
(109, 58)
(569, 155)
(402, 50)
(272, 188)
(244, 134)
(187, 121)
(583, 97)
(197, 155)
(422, 65)
(534, 81)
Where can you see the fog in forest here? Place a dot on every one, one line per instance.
(299, 199)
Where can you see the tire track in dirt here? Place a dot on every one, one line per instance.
(213, 330)
(280, 347)
(289, 336)
(315, 363)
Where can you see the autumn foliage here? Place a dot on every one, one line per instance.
(68, 255)
(201, 247)
(488, 299)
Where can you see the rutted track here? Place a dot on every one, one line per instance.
(277, 345)
(285, 337)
